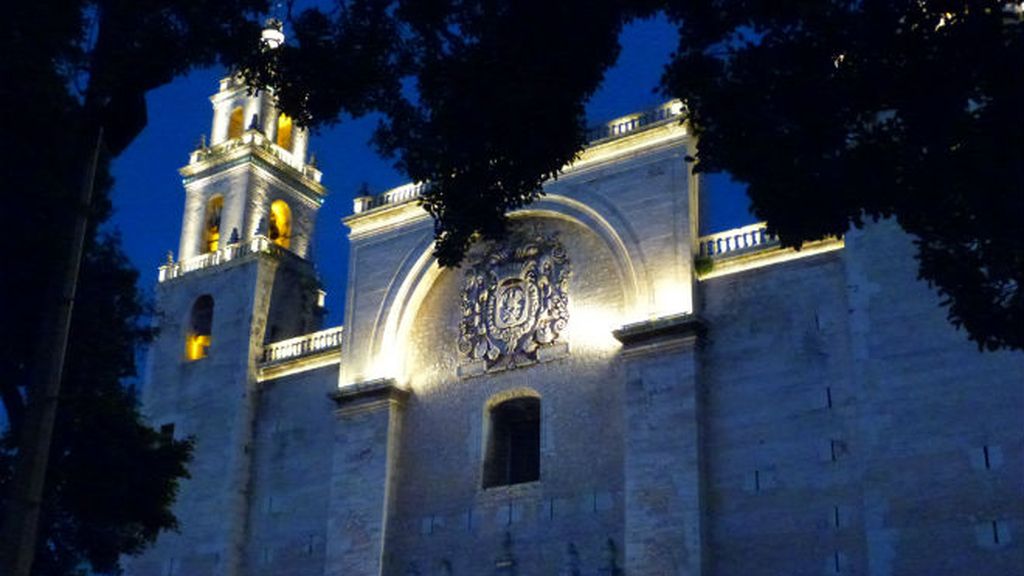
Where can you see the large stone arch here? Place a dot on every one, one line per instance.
(419, 271)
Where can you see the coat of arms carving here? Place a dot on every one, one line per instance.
(515, 304)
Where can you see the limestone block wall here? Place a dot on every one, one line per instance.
(847, 423)
(377, 266)
(641, 205)
(940, 425)
(213, 401)
(363, 469)
(664, 491)
(442, 517)
(291, 475)
(779, 420)
(293, 307)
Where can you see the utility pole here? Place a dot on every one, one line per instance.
(21, 522)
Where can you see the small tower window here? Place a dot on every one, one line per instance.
(197, 341)
(280, 229)
(211, 224)
(513, 445)
(236, 123)
(284, 131)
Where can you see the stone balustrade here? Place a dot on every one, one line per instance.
(670, 111)
(736, 241)
(255, 245)
(256, 139)
(399, 195)
(301, 346)
(636, 122)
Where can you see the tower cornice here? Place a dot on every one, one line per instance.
(254, 147)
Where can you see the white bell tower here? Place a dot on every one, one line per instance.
(243, 277)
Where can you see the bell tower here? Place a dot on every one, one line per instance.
(243, 277)
(252, 180)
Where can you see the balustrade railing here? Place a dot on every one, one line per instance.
(737, 241)
(254, 245)
(256, 139)
(398, 195)
(608, 131)
(635, 122)
(300, 346)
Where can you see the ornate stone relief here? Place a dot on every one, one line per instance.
(515, 304)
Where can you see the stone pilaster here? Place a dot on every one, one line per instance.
(365, 450)
(663, 530)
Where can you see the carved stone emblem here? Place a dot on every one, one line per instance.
(514, 304)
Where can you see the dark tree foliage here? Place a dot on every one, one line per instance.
(837, 111)
(68, 68)
(832, 111)
(112, 478)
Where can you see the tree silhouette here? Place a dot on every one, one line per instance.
(75, 76)
(833, 112)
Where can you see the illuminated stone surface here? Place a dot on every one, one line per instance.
(777, 413)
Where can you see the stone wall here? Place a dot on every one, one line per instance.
(847, 423)
(211, 400)
(291, 475)
(442, 516)
(813, 416)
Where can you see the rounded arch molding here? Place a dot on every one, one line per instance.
(419, 270)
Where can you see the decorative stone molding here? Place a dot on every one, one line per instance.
(660, 333)
(368, 396)
(515, 305)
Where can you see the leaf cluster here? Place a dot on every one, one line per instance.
(832, 112)
(837, 111)
(69, 68)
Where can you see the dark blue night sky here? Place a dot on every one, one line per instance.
(149, 199)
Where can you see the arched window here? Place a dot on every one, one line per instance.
(211, 224)
(280, 229)
(236, 123)
(513, 443)
(284, 131)
(197, 340)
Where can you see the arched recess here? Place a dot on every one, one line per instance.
(420, 270)
(285, 137)
(279, 228)
(199, 335)
(236, 122)
(211, 224)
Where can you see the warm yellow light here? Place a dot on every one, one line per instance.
(280, 231)
(197, 346)
(237, 123)
(211, 236)
(284, 131)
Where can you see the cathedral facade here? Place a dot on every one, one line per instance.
(606, 391)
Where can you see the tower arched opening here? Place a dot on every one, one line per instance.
(236, 123)
(211, 224)
(280, 229)
(199, 335)
(285, 137)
